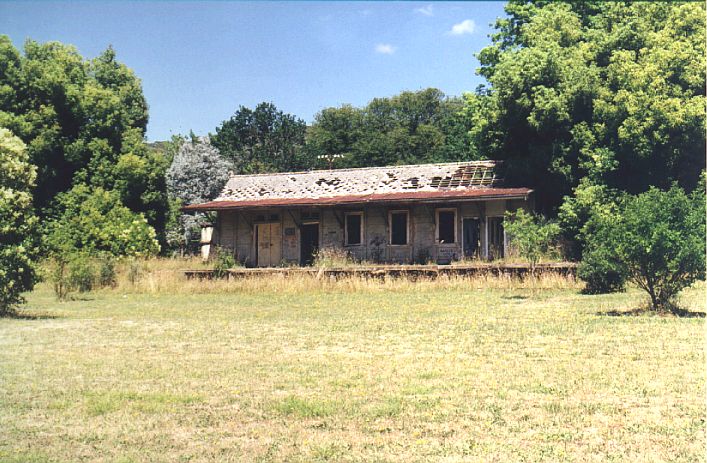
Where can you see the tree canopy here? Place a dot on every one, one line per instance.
(607, 91)
(264, 139)
(83, 122)
(409, 128)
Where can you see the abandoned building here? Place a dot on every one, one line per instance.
(426, 213)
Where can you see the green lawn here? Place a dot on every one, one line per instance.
(409, 373)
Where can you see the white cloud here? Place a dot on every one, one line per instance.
(465, 27)
(385, 49)
(425, 10)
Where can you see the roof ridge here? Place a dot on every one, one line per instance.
(488, 162)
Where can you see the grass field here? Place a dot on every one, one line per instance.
(394, 372)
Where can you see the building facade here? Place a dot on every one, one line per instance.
(432, 213)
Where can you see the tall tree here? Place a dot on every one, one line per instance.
(262, 140)
(197, 174)
(606, 91)
(83, 122)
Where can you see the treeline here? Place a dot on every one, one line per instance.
(587, 102)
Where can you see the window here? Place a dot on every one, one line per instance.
(398, 227)
(354, 228)
(446, 226)
(495, 237)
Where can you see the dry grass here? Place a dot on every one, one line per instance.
(276, 369)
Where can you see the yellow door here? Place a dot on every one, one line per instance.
(263, 245)
(269, 244)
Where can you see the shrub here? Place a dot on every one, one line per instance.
(82, 274)
(106, 273)
(224, 260)
(95, 222)
(531, 235)
(657, 240)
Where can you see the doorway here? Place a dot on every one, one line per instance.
(309, 242)
(471, 237)
(268, 244)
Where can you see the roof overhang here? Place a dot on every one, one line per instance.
(471, 194)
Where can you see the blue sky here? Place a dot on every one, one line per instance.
(198, 61)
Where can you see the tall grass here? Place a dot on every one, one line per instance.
(158, 276)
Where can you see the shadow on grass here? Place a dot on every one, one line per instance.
(23, 315)
(677, 312)
(514, 297)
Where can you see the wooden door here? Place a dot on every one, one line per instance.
(269, 244)
(275, 244)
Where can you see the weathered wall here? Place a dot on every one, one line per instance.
(236, 231)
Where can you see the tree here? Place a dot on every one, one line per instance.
(531, 235)
(262, 140)
(613, 92)
(412, 127)
(18, 245)
(83, 122)
(197, 174)
(657, 240)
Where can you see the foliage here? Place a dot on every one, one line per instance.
(531, 235)
(84, 123)
(409, 128)
(224, 260)
(18, 225)
(262, 140)
(657, 240)
(610, 91)
(197, 174)
(95, 222)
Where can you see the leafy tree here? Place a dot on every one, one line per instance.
(18, 246)
(83, 122)
(657, 240)
(531, 235)
(197, 174)
(262, 140)
(412, 127)
(610, 91)
(93, 221)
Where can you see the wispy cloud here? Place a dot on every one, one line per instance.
(465, 27)
(385, 49)
(425, 10)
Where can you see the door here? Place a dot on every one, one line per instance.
(471, 231)
(309, 242)
(269, 244)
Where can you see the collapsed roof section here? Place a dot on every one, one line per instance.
(425, 182)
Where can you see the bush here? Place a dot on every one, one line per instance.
(106, 273)
(601, 273)
(657, 240)
(224, 260)
(82, 274)
(531, 235)
(95, 222)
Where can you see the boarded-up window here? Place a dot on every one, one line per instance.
(354, 232)
(496, 237)
(446, 224)
(399, 228)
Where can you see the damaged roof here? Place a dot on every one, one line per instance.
(423, 182)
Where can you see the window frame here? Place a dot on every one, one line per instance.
(456, 215)
(361, 228)
(407, 226)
